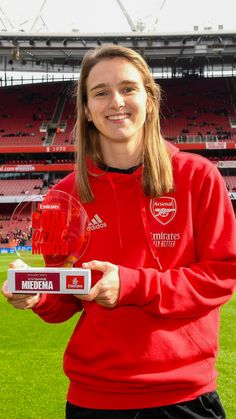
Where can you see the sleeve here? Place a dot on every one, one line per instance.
(190, 291)
(57, 308)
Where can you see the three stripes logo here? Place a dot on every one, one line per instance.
(96, 223)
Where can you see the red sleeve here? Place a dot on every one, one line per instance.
(57, 308)
(190, 291)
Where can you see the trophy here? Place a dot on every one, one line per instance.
(49, 235)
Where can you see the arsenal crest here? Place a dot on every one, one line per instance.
(163, 209)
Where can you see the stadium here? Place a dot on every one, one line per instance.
(196, 71)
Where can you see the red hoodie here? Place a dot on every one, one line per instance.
(177, 266)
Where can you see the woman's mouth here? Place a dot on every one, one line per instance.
(118, 117)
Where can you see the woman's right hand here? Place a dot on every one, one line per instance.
(21, 301)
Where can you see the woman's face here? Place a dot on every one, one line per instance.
(117, 101)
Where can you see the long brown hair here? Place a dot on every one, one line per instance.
(157, 168)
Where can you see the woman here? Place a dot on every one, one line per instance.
(162, 254)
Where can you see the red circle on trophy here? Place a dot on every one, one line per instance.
(55, 230)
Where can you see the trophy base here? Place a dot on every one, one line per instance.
(49, 280)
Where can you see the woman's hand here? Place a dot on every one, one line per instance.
(21, 301)
(106, 291)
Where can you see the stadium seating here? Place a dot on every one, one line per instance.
(68, 115)
(230, 182)
(196, 107)
(20, 187)
(22, 112)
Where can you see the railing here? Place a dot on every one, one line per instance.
(14, 79)
(196, 138)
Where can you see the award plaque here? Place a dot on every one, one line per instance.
(49, 236)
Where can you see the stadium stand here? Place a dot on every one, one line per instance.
(68, 118)
(23, 112)
(37, 144)
(197, 109)
(20, 187)
(230, 182)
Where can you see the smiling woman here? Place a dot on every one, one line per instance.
(162, 253)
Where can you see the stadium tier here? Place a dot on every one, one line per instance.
(37, 143)
(23, 111)
(230, 182)
(20, 187)
(199, 108)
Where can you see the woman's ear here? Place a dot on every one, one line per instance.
(87, 113)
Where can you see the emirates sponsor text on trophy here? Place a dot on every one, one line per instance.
(57, 238)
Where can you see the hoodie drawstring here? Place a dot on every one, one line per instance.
(118, 210)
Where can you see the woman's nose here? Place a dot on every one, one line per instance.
(117, 100)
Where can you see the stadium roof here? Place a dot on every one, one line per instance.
(29, 40)
(50, 52)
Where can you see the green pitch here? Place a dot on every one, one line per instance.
(34, 260)
(32, 383)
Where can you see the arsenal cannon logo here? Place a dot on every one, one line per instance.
(163, 209)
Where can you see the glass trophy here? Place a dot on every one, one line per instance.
(49, 236)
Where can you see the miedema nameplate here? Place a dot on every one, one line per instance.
(49, 280)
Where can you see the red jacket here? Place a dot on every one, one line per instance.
(177, 266)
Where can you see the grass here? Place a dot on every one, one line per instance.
(32, 383)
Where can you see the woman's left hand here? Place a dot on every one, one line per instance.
(106, 291)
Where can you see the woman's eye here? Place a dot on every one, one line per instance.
(100, 94)
(128, 89)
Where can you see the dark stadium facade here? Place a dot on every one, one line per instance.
(190, 52)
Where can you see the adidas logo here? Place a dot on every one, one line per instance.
(96, 223)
